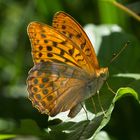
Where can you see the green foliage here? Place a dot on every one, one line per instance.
(17, 116)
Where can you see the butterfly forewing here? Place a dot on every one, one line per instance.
(50, 45)
(72, 29)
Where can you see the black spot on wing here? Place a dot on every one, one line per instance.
(49, 48)
(71, 51)
(40, 54)
(45, 41)
(63, 27)
(54, 44)
(83, 45)
(79, 35)
(43, 35)
(62, 52)
(38, 96)
(50, 55)
(49, 98)
(35, 81)
(45, 91)
(40, 47)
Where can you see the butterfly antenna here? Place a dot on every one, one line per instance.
(118, 54)
(100, 104)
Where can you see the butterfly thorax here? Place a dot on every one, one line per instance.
(96, 82)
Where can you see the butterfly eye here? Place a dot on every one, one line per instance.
(104, 73)
(104, 76)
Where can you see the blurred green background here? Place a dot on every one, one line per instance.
(16, 61)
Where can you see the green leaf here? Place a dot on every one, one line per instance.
(28, 127)
(125, 91)
(6, 136)
(102, 136)
(90, 128)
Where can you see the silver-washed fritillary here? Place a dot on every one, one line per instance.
(66, 69)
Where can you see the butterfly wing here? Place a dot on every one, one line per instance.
(67, 25)
(56, 87)
(49, 44)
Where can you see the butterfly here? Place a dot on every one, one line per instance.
(66, 70)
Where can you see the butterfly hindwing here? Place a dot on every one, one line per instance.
(55, 87)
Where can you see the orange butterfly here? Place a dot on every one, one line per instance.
(66, 69)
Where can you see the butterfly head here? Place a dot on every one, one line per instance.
(103, 73)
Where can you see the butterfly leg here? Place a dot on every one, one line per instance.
(76, 109)
(109, 88)
(85, 111)
(100, 104)
(94, 106)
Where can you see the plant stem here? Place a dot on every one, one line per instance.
(124, 8)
